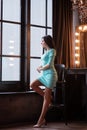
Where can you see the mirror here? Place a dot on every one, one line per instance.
(81, 46)
(83, 49)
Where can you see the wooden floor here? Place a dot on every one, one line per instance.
(50, 126)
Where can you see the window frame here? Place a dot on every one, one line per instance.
(15, 85)
(23, 84)
(46, 27)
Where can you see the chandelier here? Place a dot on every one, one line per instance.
(81, 6)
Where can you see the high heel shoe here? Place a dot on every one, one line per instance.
(38, 125)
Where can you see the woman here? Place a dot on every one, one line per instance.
(48, 77)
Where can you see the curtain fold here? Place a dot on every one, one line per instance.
(62, 32)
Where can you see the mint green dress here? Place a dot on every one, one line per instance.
(49, 76)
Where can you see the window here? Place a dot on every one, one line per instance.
(22, 24)
(12, 10)
(11, 43)
(10, 52)
(40, 25)
(11, 31)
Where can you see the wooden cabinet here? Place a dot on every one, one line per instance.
(77, 93)
(71, 98)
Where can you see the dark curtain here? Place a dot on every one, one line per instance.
(62, 31)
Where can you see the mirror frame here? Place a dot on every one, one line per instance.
(78, 30)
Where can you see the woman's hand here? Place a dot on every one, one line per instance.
(39, 69)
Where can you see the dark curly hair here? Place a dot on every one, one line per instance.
(49, 41)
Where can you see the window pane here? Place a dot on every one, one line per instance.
(12, 10)
(36, 35)
(34, 63)
(10, 69)
(0, 9)
(11, 39)
(49, 32)
(38, 9)
(49, 13)
(0, 38)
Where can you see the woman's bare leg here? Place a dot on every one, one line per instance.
(46, 102)
(36, 87)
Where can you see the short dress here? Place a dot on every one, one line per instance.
(49, 76)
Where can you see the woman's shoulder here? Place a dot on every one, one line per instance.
(52, 51)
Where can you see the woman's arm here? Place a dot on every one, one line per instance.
(47, 66)
(49, 62)
(40, 68)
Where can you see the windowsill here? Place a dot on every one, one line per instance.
(24, 92)
(15, 93)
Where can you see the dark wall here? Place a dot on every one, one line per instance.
(19, 107)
